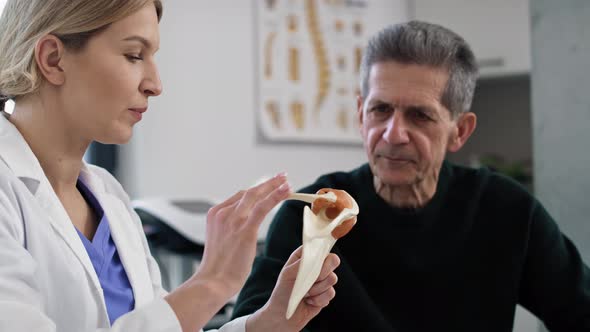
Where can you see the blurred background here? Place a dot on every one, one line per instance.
(203, 138)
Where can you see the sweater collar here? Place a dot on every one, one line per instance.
(374, 201)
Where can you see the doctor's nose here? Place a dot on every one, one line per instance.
(151, 85)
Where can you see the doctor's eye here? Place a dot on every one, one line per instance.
(133, 58)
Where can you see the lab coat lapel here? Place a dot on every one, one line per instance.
(129, 247)
(60, 221)
(125, 235)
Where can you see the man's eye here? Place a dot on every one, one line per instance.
(381, 108)
(420, 115)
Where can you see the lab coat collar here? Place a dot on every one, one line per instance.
(20, 159)
(18, 156)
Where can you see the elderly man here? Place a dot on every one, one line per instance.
(437, 247)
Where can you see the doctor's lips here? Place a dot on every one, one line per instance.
(138, 109)
(138, 112)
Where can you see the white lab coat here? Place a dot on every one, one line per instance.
(47, 281)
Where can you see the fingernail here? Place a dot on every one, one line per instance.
(281, 174)
(285, 187)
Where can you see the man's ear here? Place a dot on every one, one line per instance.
(359, 110)
(464, 127)
(49, 51)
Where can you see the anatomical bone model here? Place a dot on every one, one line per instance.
(333, 213)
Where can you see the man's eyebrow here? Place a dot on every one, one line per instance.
(424, 108)
(374, 102)
(427, 109)
(140, 39)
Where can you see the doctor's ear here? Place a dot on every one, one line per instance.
(49, 52)
(464, 127)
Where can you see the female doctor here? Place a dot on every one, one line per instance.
(73, 256)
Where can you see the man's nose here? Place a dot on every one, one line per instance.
(396, 131)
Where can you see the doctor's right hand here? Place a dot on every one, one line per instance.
(232, 232)
(230, 247)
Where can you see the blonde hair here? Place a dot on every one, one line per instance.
(24, 22)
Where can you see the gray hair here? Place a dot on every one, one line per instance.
(427, 44)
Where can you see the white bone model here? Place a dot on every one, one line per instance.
(318, 240)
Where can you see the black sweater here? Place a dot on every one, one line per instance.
(481, 246)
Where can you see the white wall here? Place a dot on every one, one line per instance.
(199, 138)
(2, 4)
(561, 114)
(500, 102)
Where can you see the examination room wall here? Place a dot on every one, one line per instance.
(199, 138)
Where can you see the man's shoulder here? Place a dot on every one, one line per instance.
(486, 182)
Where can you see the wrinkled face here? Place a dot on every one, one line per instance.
(405, 128)
(107, 84)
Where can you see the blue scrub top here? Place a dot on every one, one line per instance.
(117, 291)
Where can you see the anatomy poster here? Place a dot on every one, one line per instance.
(308, 54)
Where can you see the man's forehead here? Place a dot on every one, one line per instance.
(395, 73)
(387, 80)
